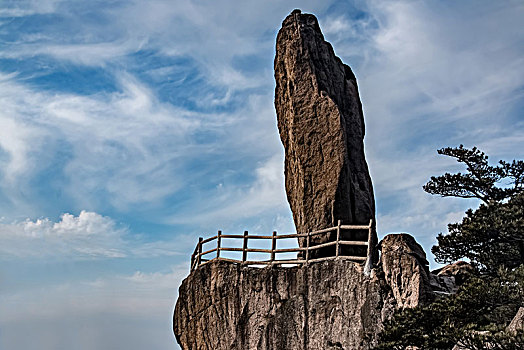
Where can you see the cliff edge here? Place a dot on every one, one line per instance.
(325, 305)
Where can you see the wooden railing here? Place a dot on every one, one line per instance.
(200, 257)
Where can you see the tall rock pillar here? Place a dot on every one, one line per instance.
(321, 126)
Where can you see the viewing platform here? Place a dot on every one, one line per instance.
(222, 243)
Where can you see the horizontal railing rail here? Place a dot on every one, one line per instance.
(201, 257)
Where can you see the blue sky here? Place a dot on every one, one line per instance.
(130, 128)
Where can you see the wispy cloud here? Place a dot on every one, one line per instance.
(432, 75)
(233, 204)
(439, 62)
(24, 8)
(125, 130)
(84, 237)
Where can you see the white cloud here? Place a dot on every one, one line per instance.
(338, 25)
(111, 141)
(15, 140)
(88, 235)
(22, 8)
(84, 237)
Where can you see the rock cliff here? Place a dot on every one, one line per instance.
(321, 126)
(325, 305)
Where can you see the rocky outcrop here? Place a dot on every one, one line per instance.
(334, 304)
(406, 270)
(321, 126)
(452, 276)
(329, 305)
(325, 305)
(517, 324)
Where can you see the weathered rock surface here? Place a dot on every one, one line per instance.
(327, 305)
(406, 270)
(324, 305)
(518, 322)
(452, 276)
(321, 126)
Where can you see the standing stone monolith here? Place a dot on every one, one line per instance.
(321, 126)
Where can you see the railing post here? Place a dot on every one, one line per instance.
(307, 247)
(338, 238)
(244, 248)
(199, 254)
(219, 243)
(367, 266)
(273, 245)
(369, 236)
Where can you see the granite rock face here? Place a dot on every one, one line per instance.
(332, 304)
(325, 305)
(518, 322)
(452, 276)
(321, 126)
(406, 270)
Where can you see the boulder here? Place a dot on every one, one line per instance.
(321, 127)
(452, 276)
(406, 270)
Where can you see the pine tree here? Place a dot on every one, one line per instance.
(477, 315)
(492, 235)
(481, 180)
(492, 238)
